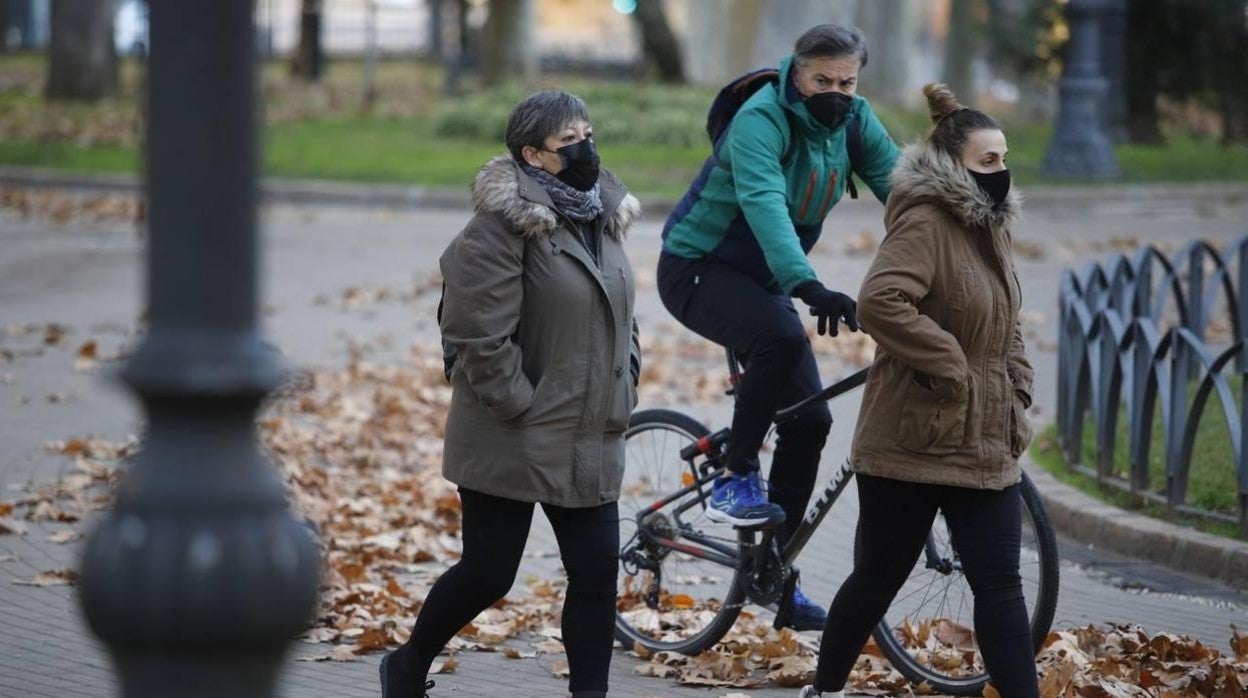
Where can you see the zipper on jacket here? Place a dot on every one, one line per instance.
(810, 190)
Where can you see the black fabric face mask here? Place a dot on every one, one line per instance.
(580, 165)
(995, 184)
(830, 108)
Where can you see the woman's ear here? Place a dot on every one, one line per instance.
(529, 153)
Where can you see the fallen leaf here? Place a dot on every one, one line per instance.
(51, 579)
(54, 333)
(1239, 644)
(371, 640)
(64, 536)
(86, 357)
(444, 666)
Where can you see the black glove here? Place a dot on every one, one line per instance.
(830, 307)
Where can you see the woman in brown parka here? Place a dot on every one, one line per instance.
(943, 418)
(538, 317)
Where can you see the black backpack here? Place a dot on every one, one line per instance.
(729, 100)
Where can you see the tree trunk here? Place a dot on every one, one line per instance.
(309, 59)
(960, 48)
(435, 29)
(887, 26)
(1145, 34)
(509, 51)
(658, 43)
(82, 60)
(1113, 64)
(1229, 66)
(457, 64)
(4, 26)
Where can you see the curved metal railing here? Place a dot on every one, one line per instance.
(1134, 334)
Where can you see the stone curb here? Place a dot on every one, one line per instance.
(1100, 525)
(1077, 197)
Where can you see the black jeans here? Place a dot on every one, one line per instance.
(766, 332)
(893, 522)
(494, 531)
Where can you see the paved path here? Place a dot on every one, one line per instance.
(87, 277)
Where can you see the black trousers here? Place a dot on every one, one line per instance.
(766, 332)
(894, 519)
(495, 530)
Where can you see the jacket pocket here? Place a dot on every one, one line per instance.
(1020, 428)
(933, 423)
(965, 284)
(623, 402)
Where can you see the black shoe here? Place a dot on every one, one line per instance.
(397, 683)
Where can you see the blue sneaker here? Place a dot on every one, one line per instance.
(739, 500)
(805, 614)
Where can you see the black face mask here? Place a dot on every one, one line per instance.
(995, 184)
(580, 165)
(830, 108)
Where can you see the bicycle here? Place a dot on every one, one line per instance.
(674, 597)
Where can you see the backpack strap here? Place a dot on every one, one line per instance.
(853, 144)
(785, 159)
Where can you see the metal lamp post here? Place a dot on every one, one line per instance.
(1081, 146)
(199, 577)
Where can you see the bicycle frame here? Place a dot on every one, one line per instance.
(711, 447)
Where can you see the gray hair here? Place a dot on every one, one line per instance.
(830, 41)
(539, 116)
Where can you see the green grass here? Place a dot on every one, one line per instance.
(371, 149)
(67, 156)
(1212, 483)
(394, 150)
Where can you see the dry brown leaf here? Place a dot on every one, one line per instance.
(1239, 644)
(861, 244)
(444, 666)
(560, 669)
(792, 672)
(53, 334)
(65, 536)
(9, 527)
(371, 640)
(53, 578)
(86, 359)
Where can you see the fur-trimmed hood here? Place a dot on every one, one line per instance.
(926, 175)
(503, 189)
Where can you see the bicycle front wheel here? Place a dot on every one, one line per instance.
(927, 633)
(677, 590)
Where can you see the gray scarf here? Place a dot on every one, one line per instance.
(580, 206)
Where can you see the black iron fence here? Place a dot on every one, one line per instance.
(1150, 331)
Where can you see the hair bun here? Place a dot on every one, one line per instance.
(940, 100)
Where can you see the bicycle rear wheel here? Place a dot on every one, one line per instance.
(927, 633)
(672, 598)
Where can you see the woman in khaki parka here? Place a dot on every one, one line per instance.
(538, 312)
(943, 418)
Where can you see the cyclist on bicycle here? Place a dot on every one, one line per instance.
(734, 255)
